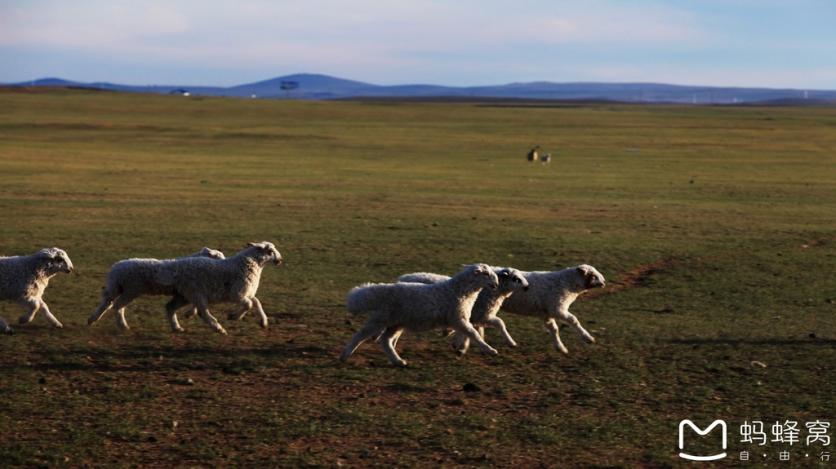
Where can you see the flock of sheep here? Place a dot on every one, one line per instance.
(465, 303)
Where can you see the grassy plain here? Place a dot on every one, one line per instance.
(716, 228)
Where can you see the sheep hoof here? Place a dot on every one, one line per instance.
(90, 321)
(8, 331)
(460, 352)
(562, 349)
(178, 329)
(221, 330)
(589, 339)
(24, 320)
(58, 325)
(401, 363)
(513, 344)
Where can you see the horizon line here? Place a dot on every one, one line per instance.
(662, 83)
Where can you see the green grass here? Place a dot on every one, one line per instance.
(741, 202)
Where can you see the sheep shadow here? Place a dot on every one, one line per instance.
(799, 342)
(146, 359)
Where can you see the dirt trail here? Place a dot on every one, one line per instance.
(637, 277)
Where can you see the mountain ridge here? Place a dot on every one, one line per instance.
(324, 87)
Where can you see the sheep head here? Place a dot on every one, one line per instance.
(591, 278)
(485, 276)
(211, 253)
(265, 251)
(54, 260)
(511, 279)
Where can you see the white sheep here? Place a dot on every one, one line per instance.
(549, 296)
(129, 279)
(395, 307)
(24, 278)
(203, 281)
(487, 304)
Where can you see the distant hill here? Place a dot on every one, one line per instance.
(313, 86)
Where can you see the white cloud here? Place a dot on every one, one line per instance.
(104, 25)
(390, 41)
(367, 24)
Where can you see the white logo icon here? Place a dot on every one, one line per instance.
(713, 457)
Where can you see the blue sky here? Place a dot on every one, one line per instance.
(465, 42)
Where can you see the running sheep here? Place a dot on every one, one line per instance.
(203, 281)
(395, 307)
(487, 304)
(129, 279)
(23, 279)
(549, 296)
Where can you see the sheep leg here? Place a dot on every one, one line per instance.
(119, 306)
(388, 341)
(481, 331)
(464, 327)
(500, 324)
(394, 339)
(104, 306)
(460, 343)
(551, 326)
(243, 306)
(262, 316)
(397, 337)
(5, 327)
(32, 306)
(171, 308)
(207, 317)
(49, 316)
(369, 330)
(572, 320)
(121, 320)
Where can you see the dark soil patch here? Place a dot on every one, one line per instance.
(635, 278)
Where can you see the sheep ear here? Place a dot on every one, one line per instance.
(249, 245)
(504, 274)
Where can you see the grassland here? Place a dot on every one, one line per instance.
(716, 228)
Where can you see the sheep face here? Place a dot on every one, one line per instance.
(266, 252)
(591, 277)
(485, 276)
(511, 280)
(211, 253)
(55, 260)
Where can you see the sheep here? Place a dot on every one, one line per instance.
(129, 279)
(4, 328)
(546, 158)
(487, 304)
(24, 278)
(202, 281)
(549, 296)
(395, 307)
